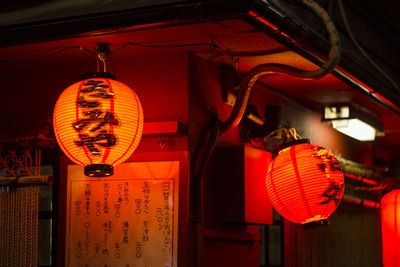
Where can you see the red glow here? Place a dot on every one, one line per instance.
(305, 183)
(390, 217)
(266, 22)
(363, 85)
(357, 81)
(165, 127)
(361, 179)
(387, 101)
(257, 208)
(370, 204)
(367, 88)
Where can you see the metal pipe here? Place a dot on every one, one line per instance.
(361, 179)
(266, 69)
(361, 201)
(265, 10)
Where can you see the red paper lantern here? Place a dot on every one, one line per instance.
(305, 183)
(98, 123)
(390, 218)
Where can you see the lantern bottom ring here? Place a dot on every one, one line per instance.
(99, 170)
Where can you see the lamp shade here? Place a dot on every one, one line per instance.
(390, 218)
(98, 123)
(305, 183)
(352, 121)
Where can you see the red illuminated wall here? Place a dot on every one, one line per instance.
(176, 86)
(352, 239)
(391, 229)
(160, 81)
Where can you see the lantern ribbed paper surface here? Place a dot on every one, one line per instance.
(305, 183)
(390, 216)
(98, 123)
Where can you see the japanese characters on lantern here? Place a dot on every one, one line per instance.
(305, 183)
(95, 127)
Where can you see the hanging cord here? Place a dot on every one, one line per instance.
(102, 52)
(48, 56)
(28, 162)
(362, 50)
(36, 162)
(40, 162)
(284, 134)
(102, 58)
(275, 138)
(271, 68)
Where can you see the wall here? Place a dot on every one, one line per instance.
(31, 90)
(352, 239)
(175, 86)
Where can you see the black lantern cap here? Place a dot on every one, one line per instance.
(106, 75)
(99, 170)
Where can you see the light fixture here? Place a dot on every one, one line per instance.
(305, 182)
(352, 121)
(98, 123)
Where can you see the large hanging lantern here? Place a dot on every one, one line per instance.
(98, 123)
(390, 216)
(305, 183)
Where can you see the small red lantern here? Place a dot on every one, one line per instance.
(98, 123)
(305, 182)
(390, 218)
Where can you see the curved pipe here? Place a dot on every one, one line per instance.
(264, 69)
(239, 110)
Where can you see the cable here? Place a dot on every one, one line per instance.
(211, 45)
(266, 69)
(362, 51)
(166, 46)
(46, 57)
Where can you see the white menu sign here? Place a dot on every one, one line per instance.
(128, 219)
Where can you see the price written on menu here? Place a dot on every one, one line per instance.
(126, 222)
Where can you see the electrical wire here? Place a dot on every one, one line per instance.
(362, 50)
(211, 45)
(46, 57)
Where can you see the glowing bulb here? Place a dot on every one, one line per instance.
(355, 128)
